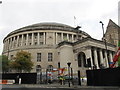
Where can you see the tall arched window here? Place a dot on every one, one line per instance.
(81, 59)
(50, 68)
(38, 68)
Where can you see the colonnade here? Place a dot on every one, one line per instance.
(100, 57)
(94, 57)
(36, 38)
(24, 40)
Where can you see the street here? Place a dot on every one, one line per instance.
(55, 87)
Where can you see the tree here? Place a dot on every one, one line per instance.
(4, 63)
(22, 62)
(119, 61)
(119, 56)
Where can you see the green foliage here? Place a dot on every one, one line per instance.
(22, 62)
(119, 61)
(4, 63)
(119, 43)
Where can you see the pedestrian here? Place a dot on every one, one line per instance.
(60, 80)
(19, 80)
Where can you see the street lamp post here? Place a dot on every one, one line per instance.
(104, 38)
(69, 72)
(40, 76)
(104, 35)
(102, 27)
(46, 76)
(72, 76)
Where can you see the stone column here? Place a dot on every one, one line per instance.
(27, 39)
(61, 36)
(101, 57)
(56, 37)
(17, 41)
(95, 58)
(44, 37)
(14, 42)
(106, 60)
(7, 44)
(10, 42)
(89, 55)
(32, 38)
(22, 40)
(38, 40)
(4, 45)
(72, 38)
(110, 57)
(67, 37)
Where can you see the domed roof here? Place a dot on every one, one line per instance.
(46, 26)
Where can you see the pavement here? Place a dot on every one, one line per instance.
(56, 87)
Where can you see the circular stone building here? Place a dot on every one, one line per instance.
(53, 45)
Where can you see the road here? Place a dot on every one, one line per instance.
(56, 87)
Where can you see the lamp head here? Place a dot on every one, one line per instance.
(69, 63)
(101, 22)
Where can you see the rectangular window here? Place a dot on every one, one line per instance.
(35, 43)
(41, 35)
(49, 56)
(41, 43)
(38, 57)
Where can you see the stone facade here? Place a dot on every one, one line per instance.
(83, 50)
(112, 33)
(53, 45)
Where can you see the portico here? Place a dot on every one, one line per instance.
(96, 52)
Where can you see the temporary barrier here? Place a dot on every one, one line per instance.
(104, 77)
(20, 78)
(7, 81)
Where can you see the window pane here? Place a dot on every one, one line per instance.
(49, 56)
(50, 68)
(38, 68)
(38, 57)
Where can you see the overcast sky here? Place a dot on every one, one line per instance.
(15, 14)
